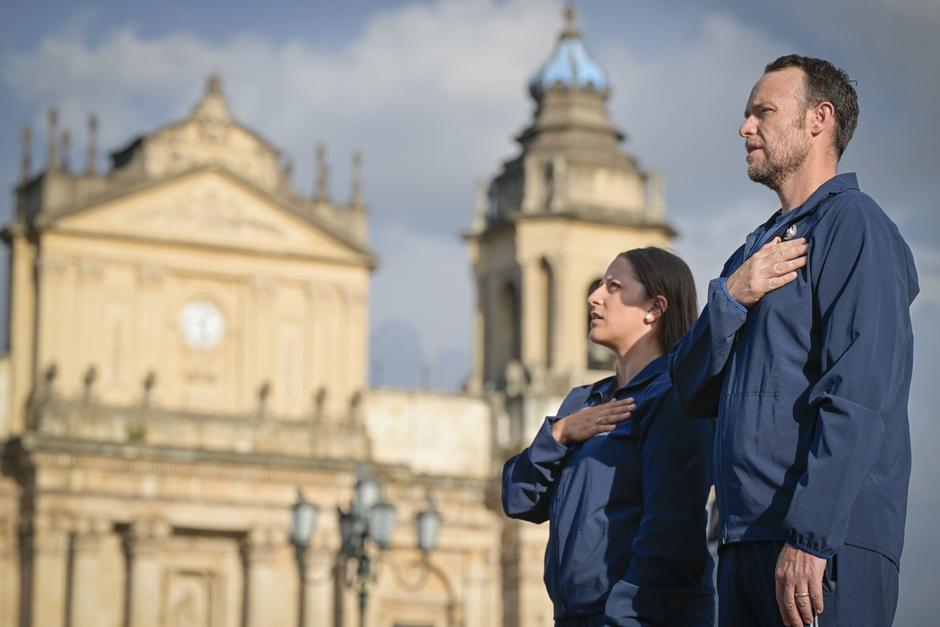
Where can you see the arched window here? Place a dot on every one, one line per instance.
(548, 282)
(598, 357)
(509, 306)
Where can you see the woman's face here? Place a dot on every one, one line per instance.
(621, 311)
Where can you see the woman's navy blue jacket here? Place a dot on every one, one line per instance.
(811, 384)
(626, 509)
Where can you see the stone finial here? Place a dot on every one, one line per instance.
(214, 84)
(288, 170)
(481, 200)
(66, 148)
(150, 382)
(571, 22)
(356, 407)
(88, 383)
(655, 197)
(91, 168)
(213, 108)
(321, 192)
(50, 375)
(264, 397)
(356, 198)
(52, 150)
(319, 403)
(26, 159)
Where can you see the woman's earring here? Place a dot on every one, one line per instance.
(648, 317)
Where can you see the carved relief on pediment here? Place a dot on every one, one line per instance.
(209, 210)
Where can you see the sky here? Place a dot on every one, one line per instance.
(433, 91)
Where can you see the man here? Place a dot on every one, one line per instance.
(804, 352)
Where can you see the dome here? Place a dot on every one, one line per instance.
(570, 65)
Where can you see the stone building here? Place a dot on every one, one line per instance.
(188, 349)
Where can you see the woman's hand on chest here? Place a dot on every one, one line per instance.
(590, 421)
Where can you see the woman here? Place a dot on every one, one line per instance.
(621, 473)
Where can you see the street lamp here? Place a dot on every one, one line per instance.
(303, 524)
(368, 518)
(428, 526)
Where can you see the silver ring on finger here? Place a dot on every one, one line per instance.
(801, 595)
(599, 420)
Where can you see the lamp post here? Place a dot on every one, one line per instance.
(303, 523)
(367, 519)
(368, 524)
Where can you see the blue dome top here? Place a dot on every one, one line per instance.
(570, 64)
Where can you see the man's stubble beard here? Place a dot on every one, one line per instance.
(783, 160)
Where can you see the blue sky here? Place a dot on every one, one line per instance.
(432, 91)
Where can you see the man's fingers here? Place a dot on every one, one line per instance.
(805, 607)
(776, 246)
(816, 597)
(816, 594)
(776, 282)
(782, 267)
(786, 601)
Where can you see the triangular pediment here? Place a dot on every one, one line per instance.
(211, 207)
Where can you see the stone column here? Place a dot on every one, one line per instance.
(144, 541)
(84, 590)
(555, 301)
(47, 542)
(532, 313)
(264, 603)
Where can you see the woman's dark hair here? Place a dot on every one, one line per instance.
(664, 274)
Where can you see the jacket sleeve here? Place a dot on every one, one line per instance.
(865, 282)
(669, 556)
(529, 477)
(697, 363)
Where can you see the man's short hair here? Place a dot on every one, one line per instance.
(826, 83)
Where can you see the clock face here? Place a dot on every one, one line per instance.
(202, 324)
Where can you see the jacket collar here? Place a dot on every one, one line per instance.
(836, 185)
(606, 388)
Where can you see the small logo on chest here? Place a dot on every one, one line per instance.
(790, 233)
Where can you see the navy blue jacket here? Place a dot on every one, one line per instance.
(626, 508)
(811, 384)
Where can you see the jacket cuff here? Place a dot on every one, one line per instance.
(725, 315)
(723, 283)
(804, 544)
(545, 449)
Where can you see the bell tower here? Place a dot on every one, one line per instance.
(549, 222)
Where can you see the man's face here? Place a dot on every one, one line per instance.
(775, 129)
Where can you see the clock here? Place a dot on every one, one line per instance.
(202, 324)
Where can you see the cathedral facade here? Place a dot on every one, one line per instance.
(188, 351)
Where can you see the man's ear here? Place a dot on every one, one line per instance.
(823, 118)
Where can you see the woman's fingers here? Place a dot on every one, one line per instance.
(615, 416)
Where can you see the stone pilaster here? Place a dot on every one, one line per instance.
(46, 543)
(89, 536)
(144, 541)
(259, 549)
